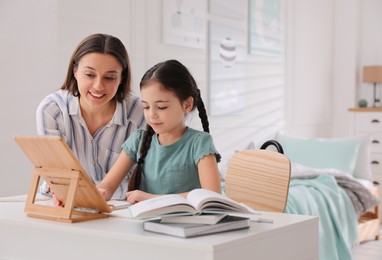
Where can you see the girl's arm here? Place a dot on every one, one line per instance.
(209, 173)
(115, 176)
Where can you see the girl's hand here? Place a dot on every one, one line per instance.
(138, 195)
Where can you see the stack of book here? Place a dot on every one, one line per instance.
(196, 225)
(202, 212)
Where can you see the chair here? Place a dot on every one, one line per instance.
(259, 178)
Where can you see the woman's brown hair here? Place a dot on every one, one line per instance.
(100, 43)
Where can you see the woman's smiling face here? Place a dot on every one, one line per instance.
(98, 77)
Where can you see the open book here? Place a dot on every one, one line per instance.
(197, 201)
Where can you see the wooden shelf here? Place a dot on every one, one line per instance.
(365, 109)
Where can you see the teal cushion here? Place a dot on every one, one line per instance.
(339, 154)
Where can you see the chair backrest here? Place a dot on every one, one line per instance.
(260, 179)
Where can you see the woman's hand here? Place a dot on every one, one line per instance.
(138, 195)
(56, 201)
(103, 192)
(115, 176)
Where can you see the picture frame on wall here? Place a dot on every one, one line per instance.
(265, 28)
(184, 23)
(228, 8)
(227, 54)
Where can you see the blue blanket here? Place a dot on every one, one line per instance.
(322, 197)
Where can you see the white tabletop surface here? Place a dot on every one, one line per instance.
(114, 230)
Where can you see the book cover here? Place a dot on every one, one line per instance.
(197, 201)
(187, 230)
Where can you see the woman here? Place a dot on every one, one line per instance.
(95, 110)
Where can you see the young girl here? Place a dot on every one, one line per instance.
(171, 157)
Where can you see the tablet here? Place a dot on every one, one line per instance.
(55, 162)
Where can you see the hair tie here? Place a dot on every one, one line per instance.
(140, 161)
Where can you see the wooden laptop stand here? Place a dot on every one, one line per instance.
(57, 165)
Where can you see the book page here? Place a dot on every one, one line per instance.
(165, 204)
(119, 204)
(203, 199)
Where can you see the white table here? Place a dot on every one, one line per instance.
(289, 237)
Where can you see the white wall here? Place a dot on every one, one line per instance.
(370, 45)
(309, 91)
(345, 58)
(28, 71)
(328, 43)
(309, 67)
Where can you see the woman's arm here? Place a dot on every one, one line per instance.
(115, 176)
(47, 125)
(47, 120)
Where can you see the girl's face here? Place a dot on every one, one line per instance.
(163, 110)
(98, 77)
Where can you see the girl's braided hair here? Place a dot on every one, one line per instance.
(175, 77)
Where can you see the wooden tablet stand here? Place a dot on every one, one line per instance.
(57, 165)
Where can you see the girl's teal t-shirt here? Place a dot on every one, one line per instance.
(172, 168)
